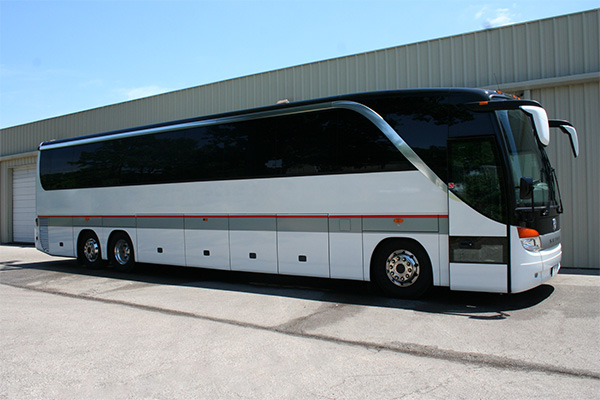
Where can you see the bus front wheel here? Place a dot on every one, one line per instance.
(401, 268)
(120, 252)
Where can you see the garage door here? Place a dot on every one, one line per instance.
(23, 204)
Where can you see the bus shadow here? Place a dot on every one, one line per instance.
(485, 306)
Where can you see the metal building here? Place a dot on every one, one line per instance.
(555, 61)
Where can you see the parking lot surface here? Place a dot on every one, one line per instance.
(167, 332)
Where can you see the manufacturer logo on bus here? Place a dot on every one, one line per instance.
(554, 224)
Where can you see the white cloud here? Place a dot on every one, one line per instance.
(503, 17)
(143, 91)
(491, 18)
(480, 13)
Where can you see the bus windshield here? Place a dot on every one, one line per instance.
(527, 159)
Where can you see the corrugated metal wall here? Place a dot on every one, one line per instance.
(556, 61)
(579, 178)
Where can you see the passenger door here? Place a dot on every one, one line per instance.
(478, 235)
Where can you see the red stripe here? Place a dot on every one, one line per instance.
(206, 216)
(86, 216)
(390, 216)
(248, 216)
(302, 216)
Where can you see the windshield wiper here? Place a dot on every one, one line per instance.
(560, 205)
(553, 187)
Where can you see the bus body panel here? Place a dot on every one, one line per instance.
(407, 192)
(253, 251)
(160, 240)
(465, 221)
(441, 272)
(483, 277)
(346, 249)
(252, 241)
(531, 269)
(466, 273)
(207, 248)
(62, 241)
(303, 253)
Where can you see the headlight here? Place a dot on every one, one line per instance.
(530, 239)
(531, 244)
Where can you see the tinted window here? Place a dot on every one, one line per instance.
(423, 124)
(326, 142)
(476, 175)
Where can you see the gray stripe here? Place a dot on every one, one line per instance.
(308, 224)
(119, 222)
(262, 223)
(60, 221)
(87, 221)
(174, 222)
(407, 225)
(349, 225)
(207, 223)
(253, 223)
(444, 224)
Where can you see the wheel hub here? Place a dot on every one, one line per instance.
(122, 252)
(402, 268)
(91, 250)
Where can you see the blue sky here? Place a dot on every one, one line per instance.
(60, 57)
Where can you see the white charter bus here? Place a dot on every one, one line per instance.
(409, 189)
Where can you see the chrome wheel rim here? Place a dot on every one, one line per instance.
(402, 268)
(91, 250)
(122, 252)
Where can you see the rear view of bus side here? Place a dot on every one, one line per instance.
(409, 189)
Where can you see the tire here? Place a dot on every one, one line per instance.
(401, 268)
(89, 253)
(121, 253)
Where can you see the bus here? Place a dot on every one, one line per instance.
(408, 189)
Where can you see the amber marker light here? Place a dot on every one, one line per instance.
(527, 232)
(530, 239)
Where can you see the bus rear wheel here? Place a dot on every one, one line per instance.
(120, 252)
(401, 268)
(88, 250)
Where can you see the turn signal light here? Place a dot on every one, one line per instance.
(527, 232)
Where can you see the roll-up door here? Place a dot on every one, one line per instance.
(24, 204)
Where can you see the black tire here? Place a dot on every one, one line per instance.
(402, 268)
(89, 253)
(121, 252)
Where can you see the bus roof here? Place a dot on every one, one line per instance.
(467, 94)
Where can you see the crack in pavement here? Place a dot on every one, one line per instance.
(295, 328)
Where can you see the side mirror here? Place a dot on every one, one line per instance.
(526, 188)
(540, 121)
(568, 129)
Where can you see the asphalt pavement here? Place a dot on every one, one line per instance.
(166, 332)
